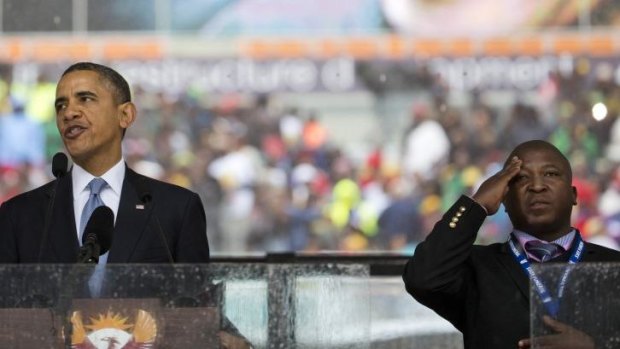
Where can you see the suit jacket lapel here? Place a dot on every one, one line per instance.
(515, 272)
(62, 231)
(131, 220)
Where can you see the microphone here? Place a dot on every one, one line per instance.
(97, 237)
(146, 198)
(60, 162)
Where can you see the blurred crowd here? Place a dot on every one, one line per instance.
(273, 179)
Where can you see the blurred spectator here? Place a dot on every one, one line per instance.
(236, 172)
(40, 103)
(314, 134)
(346, 197)
(612, 152)
(399, 224)
(597, 233)
(291, 128)
(587, 189)
(22, 140)
(609, 202)
(524, 125)
(426, 145)
(301, 213)
(483, 135)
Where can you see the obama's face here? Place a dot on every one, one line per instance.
(89, 119)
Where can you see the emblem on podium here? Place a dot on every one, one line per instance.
(113, 331)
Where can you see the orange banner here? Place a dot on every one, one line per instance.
(51, 49)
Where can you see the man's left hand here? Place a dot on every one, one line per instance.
(566, 337)
(231, 341)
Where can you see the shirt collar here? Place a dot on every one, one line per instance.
(564, 241)
(114, 177)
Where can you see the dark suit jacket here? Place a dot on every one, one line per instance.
(481, 290)
(136, 238)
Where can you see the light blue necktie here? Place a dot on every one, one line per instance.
(94, 201)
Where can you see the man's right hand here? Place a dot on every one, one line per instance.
(492, 191)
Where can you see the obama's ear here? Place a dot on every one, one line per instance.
(127, 114)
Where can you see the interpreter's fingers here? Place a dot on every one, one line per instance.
(544, 342)
(224, 340)
(512, 168)
(525, 344)
(556, 325)
(541, 343)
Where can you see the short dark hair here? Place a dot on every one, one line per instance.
(541, 144)
(120, 87)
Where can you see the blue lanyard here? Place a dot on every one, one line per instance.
(552, 305)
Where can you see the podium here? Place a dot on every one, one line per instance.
(141, 306)
(185, 306)
(589, 301)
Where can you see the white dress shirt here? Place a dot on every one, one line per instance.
(110, 195)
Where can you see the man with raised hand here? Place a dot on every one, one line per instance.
(484, 290)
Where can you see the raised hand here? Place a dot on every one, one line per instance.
(492, 191)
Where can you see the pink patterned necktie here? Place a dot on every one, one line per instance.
(544, 251)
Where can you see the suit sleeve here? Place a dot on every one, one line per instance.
(437, 274)
(8, 248)
(192, 245)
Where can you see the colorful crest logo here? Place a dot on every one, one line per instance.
(113, 331)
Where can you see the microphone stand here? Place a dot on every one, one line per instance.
(59, 169)
(74, 277)
(88, 254)
(90, 251)
(147, 200)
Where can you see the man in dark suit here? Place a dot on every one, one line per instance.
(155, 222)
(484, 290)
(93, 110)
